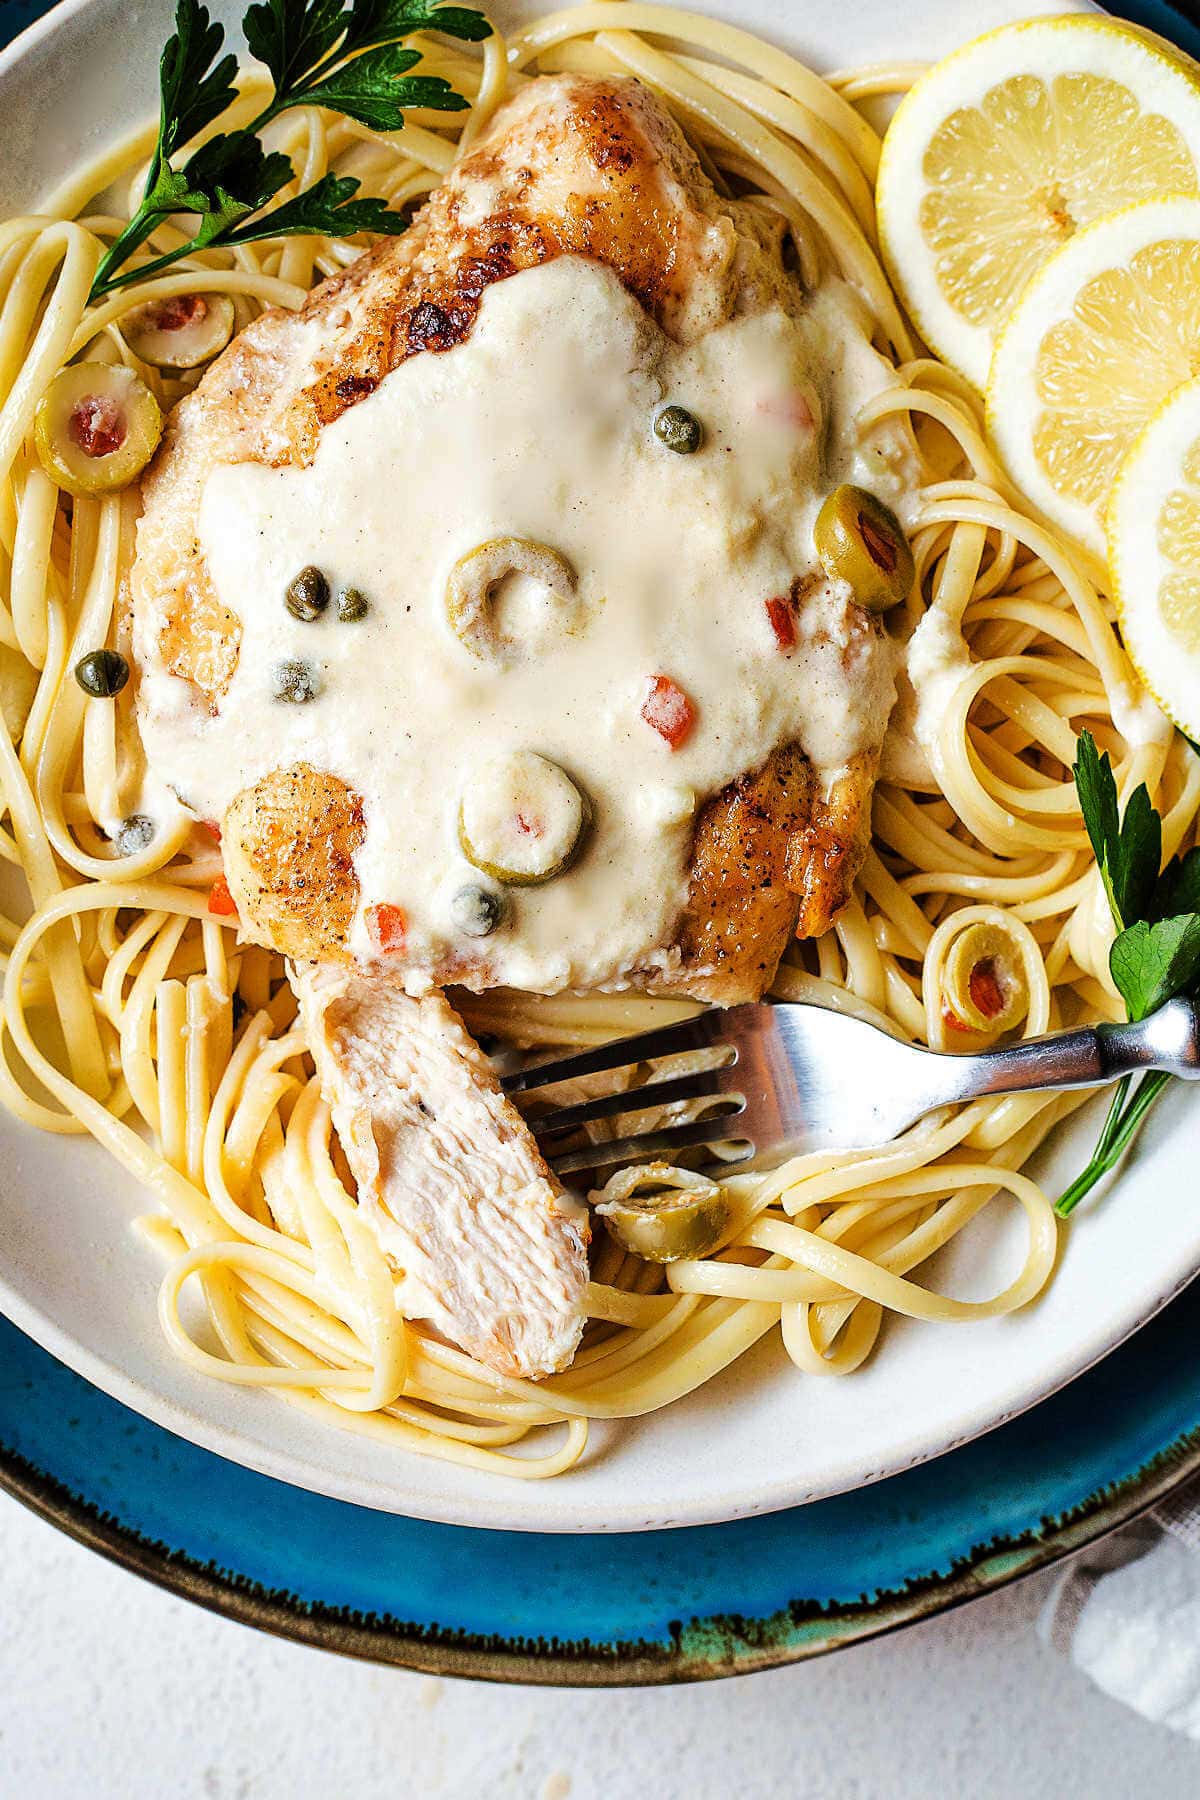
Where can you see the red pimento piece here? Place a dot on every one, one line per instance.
(791, 407)
(213, 829)
(667, 710)
(985, 990)
(783, 622)
(97, 425)
(987, 996)
(221, 902)
(388, 927)
(176, 311)
(880, 549)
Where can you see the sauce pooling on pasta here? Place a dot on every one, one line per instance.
(545, 572)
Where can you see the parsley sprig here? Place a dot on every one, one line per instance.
(319, 53)
(1156, 953)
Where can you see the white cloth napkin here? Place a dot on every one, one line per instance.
(1127, 1612)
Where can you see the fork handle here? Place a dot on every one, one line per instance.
(1169, 1040)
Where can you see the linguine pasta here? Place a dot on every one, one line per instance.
(133, 1015)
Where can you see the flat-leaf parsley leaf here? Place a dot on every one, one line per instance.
(349, 58)
(1156, 953)
(1151, 964)
(1128, 850)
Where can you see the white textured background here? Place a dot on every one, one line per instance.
(111, 1690)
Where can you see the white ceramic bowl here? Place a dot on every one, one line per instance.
(75, 1277)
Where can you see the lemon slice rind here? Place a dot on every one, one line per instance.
(1161, 80)
(1153, 470)
(1014, 403)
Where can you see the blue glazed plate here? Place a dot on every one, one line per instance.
(656, 1606)
(648, 1607)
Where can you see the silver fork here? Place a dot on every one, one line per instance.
(797, 1077)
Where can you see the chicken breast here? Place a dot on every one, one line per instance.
(672, 287)
(447, 1173)
(571, 166)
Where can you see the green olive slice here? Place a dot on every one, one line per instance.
(861, 541)
(96, 427)
(522, 819)
(984, 984)
(180, 332)
(475, 583)
(662, 1213)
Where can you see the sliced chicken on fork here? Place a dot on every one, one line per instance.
(448, 1175)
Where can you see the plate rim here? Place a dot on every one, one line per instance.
(473, 1513)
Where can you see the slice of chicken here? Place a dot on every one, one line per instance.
(448, 1175)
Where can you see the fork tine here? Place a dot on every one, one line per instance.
(628, 1100)
(664, 1040)
(649, 1143)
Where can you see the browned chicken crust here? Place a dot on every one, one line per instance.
(771, 855)
(289, 844)
(572, 164)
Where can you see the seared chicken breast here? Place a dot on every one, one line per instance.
(584, 198)
(570, 166)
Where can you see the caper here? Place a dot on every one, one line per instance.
(352, 605)
(307, 595)
(102, 673)
(477, 912)
(295, 682)
(861, 541)
(679, 430)
(134, 834)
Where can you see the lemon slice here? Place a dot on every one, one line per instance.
(1154, 554)
(1102, 335)
(1011, 145)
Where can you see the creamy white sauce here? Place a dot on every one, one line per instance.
(937, 662)
(540, 426)
(905, 759)
(1140, 721)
